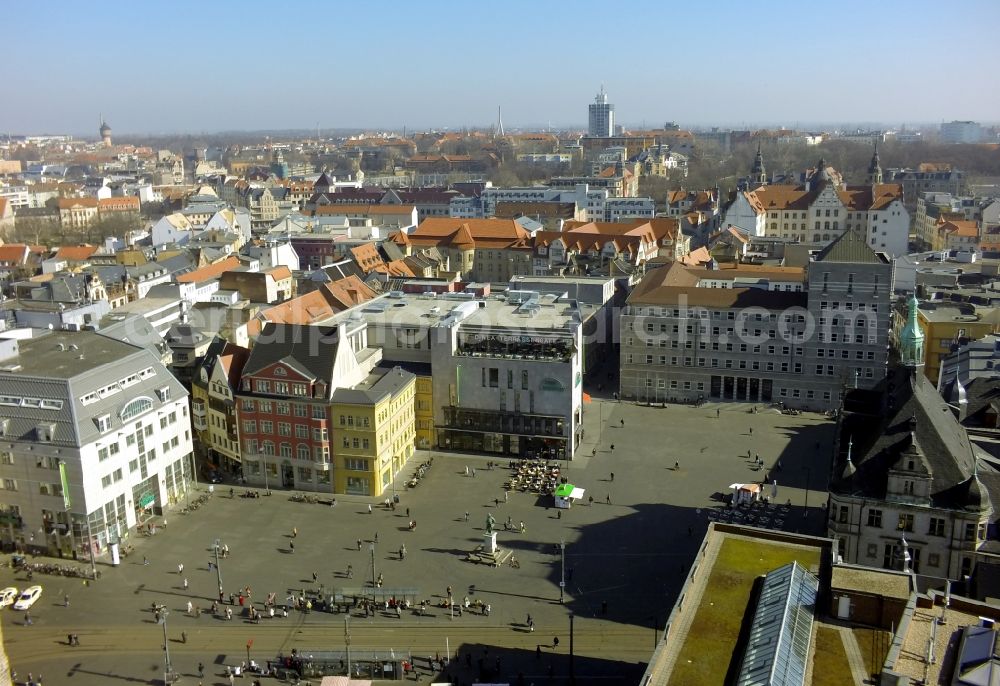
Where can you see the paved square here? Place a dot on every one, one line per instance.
(624, 560)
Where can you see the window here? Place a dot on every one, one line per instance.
(104, 421)
(524, 380)
(905, 522)
(842, 514)
(970, 531)
(494, 377)
(936, 527)
(875, 518)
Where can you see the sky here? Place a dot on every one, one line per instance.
(158, 67)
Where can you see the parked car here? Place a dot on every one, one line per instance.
(7, 596)
(28, 597)
(214, 477)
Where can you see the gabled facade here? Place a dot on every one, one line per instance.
(213, 405)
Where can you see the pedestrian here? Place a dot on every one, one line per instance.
(291, 546)
(184, 637)
(559, 514)
(716, 413)
(538, 651)
(608, 499)
(751, 431)
(185, 583)
(623, 422)
(201, 670)
(145, 561)
(369, 508)
(506, 495)
(590, 500)
(523, 529)
(407, 513)
(359, 544)
(473, 472)
(376, 537)
(555, 641)
(488, 609)
(66, 601)
(180, 569)
(315, 577)
(467, 470)
(466, 515)
(496, 502)
(295, 531)
(612, 476)
(612, 447)
(677, 465)
(350, 571)
(190, 607)
(690, 531)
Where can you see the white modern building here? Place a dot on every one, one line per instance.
(95, 438)
(961, 132)
(601, 117)
(507, 372)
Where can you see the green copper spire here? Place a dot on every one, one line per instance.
(911, 339)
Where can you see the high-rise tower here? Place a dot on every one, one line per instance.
(601, 122)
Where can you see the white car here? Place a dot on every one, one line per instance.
(7, 596)
(28, 597)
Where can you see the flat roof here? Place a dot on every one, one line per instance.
(419, 310)
(870, 580)
(703, 631)
(43, 357)
(380, 383)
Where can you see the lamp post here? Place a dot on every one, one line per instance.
(166, 649)
(267, 488)
(90, 543)
(374, 587)
(805, 508)
(218, 569)
(347, 641)
(562, 580)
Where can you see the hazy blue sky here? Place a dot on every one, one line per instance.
(153, 66)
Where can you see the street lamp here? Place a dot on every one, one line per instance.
(347, 641)
(805, 509)
(218, 569)
(562, 581)
(374, 587)
(167, 670)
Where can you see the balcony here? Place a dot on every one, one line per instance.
(321, 466)
(198, 408)
(199, 422)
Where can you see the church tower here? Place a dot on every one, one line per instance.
(875, 169)
(758, 176)
(911, 339)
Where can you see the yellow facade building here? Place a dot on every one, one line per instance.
(373, 431)
(947, 324)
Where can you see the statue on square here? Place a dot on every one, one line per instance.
(490, 523)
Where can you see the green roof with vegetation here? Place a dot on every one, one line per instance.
(710, 644)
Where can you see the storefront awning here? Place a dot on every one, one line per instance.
(146, 499)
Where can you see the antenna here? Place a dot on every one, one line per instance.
(499, 122)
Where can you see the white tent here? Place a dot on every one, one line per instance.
(744, 493)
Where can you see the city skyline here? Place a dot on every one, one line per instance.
(206, 69)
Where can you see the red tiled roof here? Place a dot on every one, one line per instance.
(70, 203)
(76, 253)
(210, 272)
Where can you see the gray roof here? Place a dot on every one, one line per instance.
(879, 424)
(86, 362)
(381, 383)
(310, 349)
(851, 247)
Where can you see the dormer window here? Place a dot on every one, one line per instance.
(909, 465)
(103, 423)
(163, 394)
(45, 433)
